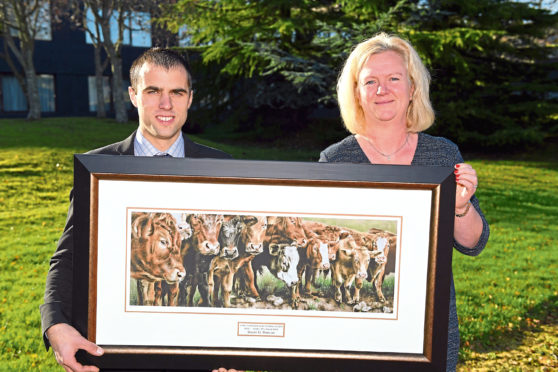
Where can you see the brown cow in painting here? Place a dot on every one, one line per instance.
(198, 251)
(248, 232)
(351, 265)
(378, 246)
(252, 242)
(327, 234)
(328, 238)
(378, 265)
(155, 255)
(165, 293)
(392, 241)
(313, 258)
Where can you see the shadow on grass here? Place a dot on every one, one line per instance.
(505, 339)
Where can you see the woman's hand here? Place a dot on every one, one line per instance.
(225, 370)
(467, 182)
(468, 223)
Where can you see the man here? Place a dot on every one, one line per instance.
(162, 92)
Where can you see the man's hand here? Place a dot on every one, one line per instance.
(66, 341)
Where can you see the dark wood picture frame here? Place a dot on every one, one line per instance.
(90, 169)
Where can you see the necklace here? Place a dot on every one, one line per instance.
(387, 156)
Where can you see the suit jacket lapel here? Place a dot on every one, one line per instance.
(190, 147)
(126, 147)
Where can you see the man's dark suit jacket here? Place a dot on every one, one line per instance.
(57, 307)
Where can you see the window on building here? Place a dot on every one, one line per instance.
(137, 28)
(46, 92)
(13, 98)
(92, 89)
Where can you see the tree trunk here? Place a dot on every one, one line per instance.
(101, 112)
(121, 114)
(32, 84)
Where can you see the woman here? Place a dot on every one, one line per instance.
(383, 94)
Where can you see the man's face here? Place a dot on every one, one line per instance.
(162, 98)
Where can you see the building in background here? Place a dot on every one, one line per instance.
(64, 62)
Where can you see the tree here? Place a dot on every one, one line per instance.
(276, 58)
(21, 22)
(100, 66)
(491, 70)
(103, 11)
(488, 58)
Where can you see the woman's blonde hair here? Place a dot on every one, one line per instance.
(420, 114)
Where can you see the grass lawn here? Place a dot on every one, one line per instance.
(507, 297)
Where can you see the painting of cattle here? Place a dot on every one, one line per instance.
(191, 259)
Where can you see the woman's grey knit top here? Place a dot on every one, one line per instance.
(431, 151)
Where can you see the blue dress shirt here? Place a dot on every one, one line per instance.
(142, 147)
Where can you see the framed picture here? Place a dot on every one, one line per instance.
(202, 263)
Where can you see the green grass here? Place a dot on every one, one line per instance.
(325, 285)
(269, 284)
(504, 295)
(511, 287)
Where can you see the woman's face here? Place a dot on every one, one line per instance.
(384, 89)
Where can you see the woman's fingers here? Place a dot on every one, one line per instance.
(467, 183)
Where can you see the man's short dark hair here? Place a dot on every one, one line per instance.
(164, 57)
